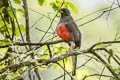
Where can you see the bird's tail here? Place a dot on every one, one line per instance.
(74, 62)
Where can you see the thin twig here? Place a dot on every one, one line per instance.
(43, 31)
(118, 3)
(37, 73)
(36, 22)
(85, 63)
(13, 28)
(65, 70)
(29, 74)
(107, 42)
(50, 53)
(102, 72)
(97, 75)
(110, 10)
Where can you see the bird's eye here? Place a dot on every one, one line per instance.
(61, 12)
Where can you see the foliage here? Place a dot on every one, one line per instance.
(17, 1)
(57, 4)
(18, 57)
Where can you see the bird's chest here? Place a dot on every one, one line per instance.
(63, 33)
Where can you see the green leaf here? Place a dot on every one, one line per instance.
(2, 66)
(9, 28)
(47, 2)
(58, 3)
(46, 56)
(65, 5)
(54, 6)
(23, 68)
(1, 23)
(68, 64)
(41, 2)
(17, 1)
(44, 49)
(57, 66)
(22, 28)
(17, 33)
(1, 9)
(21, 11)
(10, 11)
(72, 6)
(15, 75)
(3, 52)
(102, 45)
(41, 69)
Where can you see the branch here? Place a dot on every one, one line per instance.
(107, 42)
(26, 20)
(102, 72)
(42, 61)
(55, 42)
(107, 65)
(67, 54)
(37, 73)
(50, 52)
(56, 59)
(97, 75)
(27, 63)
(32, 44)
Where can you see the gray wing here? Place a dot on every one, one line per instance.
(74, 33)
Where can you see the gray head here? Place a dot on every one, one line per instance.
(64, 12)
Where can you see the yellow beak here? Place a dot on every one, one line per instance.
(61, 12)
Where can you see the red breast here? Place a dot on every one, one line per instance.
(63, 33)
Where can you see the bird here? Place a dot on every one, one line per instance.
(68, 31)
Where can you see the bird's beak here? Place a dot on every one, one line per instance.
(61, 11)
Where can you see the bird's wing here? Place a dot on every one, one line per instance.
(74, 33)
